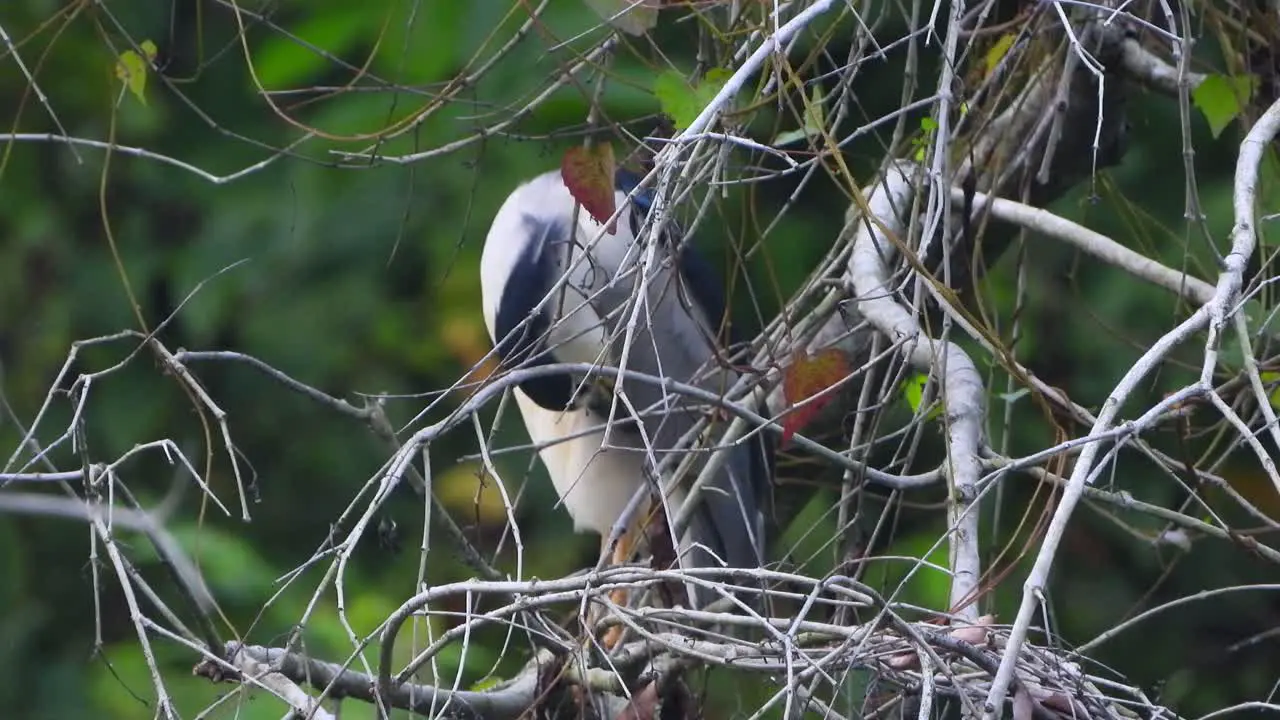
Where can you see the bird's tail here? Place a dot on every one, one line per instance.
(728, 528)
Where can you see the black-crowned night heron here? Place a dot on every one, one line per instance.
(558, 288)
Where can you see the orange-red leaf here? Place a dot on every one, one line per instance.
(806, 377)
(588, 173)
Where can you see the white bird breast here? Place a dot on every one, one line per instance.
(594, 482)
(594, 479)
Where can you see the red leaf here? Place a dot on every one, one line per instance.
(588, 173)
(806, 377)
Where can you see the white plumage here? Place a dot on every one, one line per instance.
(529, 249)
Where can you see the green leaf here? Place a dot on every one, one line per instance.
(913, 393)
(1220, 98)
(913, 390)
(1231, 358)
(1272, 379)
(808, 528)
(996, 53)
(921, 142)
(287, 61)
(814, 121)
(786, 137)
(487, 683)
(682, 101)
(1012, 397)
(131, 69)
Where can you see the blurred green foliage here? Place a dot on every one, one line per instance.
(362, 280)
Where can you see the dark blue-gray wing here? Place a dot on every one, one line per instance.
(678, 338)
(671, 340)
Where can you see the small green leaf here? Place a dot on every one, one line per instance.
(928, 124)
(913, 390)
(814, 121)
(913, 393)
(1220, 98)
(683, 102)
(996, 53)
(1012, 397)
(487, 683)
(1272, 379)
(131, 69)
(786, 137)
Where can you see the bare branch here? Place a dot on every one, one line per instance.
(962, 388)
(1211, 316)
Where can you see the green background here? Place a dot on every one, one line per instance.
(362, 279)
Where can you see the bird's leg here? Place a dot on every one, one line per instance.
(622, 552)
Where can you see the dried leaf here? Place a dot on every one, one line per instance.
(658, 535)
(588, 173)
(975, 634)
(805, 378)
(1023, 705)
(908, 660)
(634, 17)
(644, 704)
(1059, 701)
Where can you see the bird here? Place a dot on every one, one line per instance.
(559, 287)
